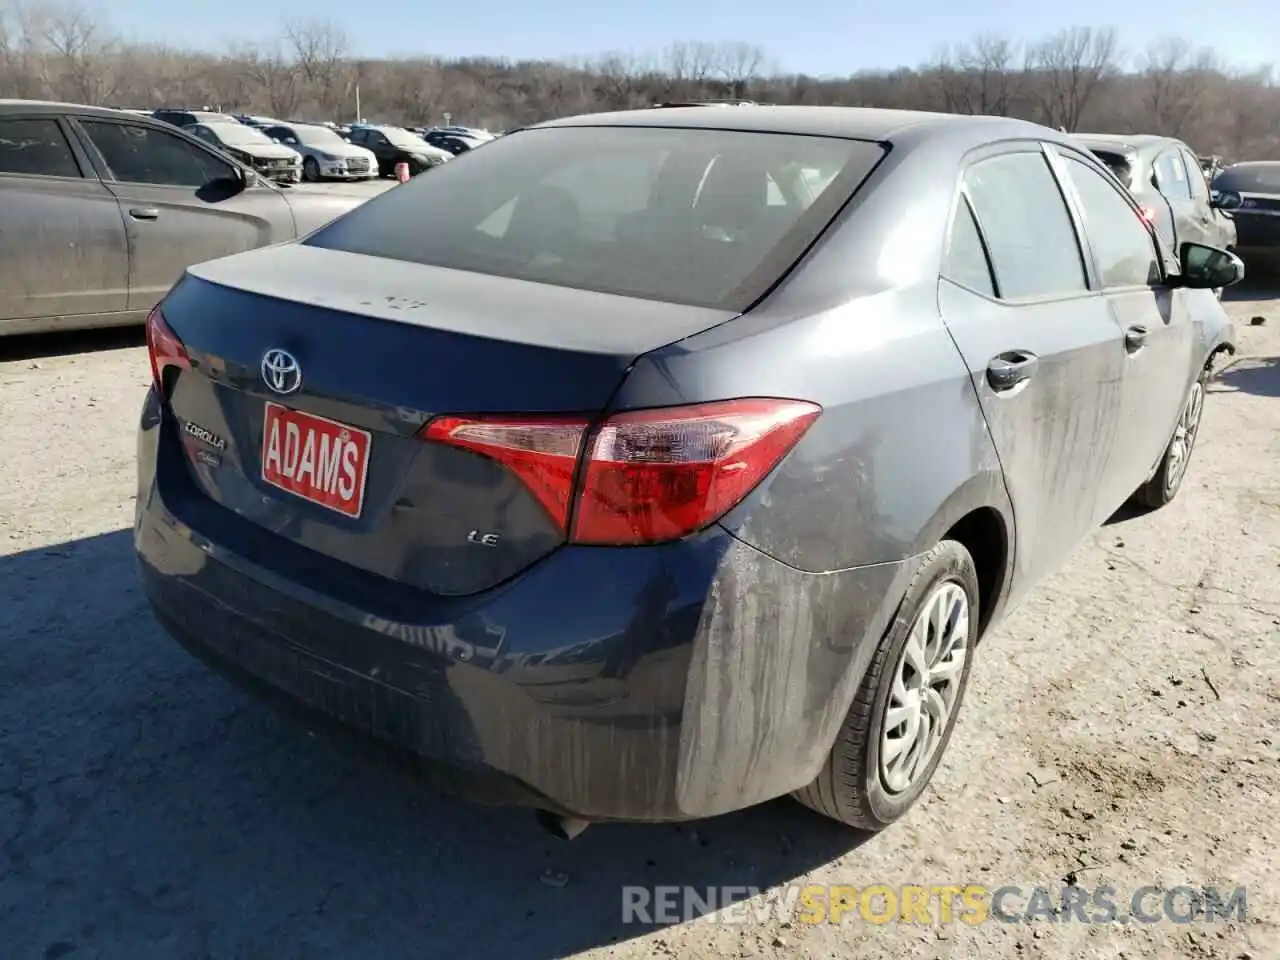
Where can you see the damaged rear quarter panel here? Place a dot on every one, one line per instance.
(900, 453)
(776, 658)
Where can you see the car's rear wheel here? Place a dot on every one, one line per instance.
(310, 170)
(905, 709)
(1167, 481)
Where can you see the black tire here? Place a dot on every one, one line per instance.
(310, 170)
(1167, 480)
(850, 787)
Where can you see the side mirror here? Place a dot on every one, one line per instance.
(1226, 200)
(246, 178)
(1207, 268)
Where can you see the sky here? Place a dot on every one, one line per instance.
(818, 37)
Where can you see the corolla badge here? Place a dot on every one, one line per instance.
(281, 372)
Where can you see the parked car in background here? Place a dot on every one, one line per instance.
(255, 121)
(471, 133)
(326, 154)
(588, 466)
(1166, 178)
(1251, 191)
(253, 148)
(454, 143)
(392, 145)
(189, 118)
(124, 204)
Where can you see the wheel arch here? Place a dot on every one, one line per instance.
(979, 515)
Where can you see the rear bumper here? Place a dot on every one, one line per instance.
(657, 683)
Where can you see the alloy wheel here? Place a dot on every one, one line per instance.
(1184, 437)
(926, 683)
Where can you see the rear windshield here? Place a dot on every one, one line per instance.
(706, 218)
(1118, 164)
(1250, 178)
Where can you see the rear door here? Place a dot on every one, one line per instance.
(1159, 338)
(62, 238)
(180, 204)
(1042, 347)
(1174, 181)
(1216, 230)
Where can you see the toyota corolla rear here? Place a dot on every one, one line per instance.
(387, 474)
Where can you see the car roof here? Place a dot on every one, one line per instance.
(57, 106)
(1124, 142)
(1253, 165)
(857, 123)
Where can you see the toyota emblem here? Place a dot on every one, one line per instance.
(281, 372)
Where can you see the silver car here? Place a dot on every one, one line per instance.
(325, 154)
(253, 148)
(1168, 181)
(124, 205)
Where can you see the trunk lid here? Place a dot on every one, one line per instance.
(382, 348)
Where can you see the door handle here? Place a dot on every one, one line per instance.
(1007, 370)
(1135, 338)
(145, 213)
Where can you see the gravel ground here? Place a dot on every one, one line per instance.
(1122, 728)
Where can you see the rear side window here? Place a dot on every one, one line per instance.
(1029, 233)
(36, 147)
(1118, 164)
(1121, 242)
(1171, 176)
(700, 217)
(966, 261)
(1195, 176)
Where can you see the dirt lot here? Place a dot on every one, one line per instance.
(1122, 728)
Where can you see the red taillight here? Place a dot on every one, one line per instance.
(164, 348)
(543, 452)
(661, 474)
(649, 475)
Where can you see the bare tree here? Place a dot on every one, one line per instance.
(691, 61)
(619, 80)
(23, 68)
(82, 51)
(992, 80)
(320, 49)
(1174, 84)
(740, 63)
(1072, 65)
(277, 76)
(1074, 79)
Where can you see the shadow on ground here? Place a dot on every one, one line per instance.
(36, 346)
(1260, 376)
(149, 808)
(1128, 511)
